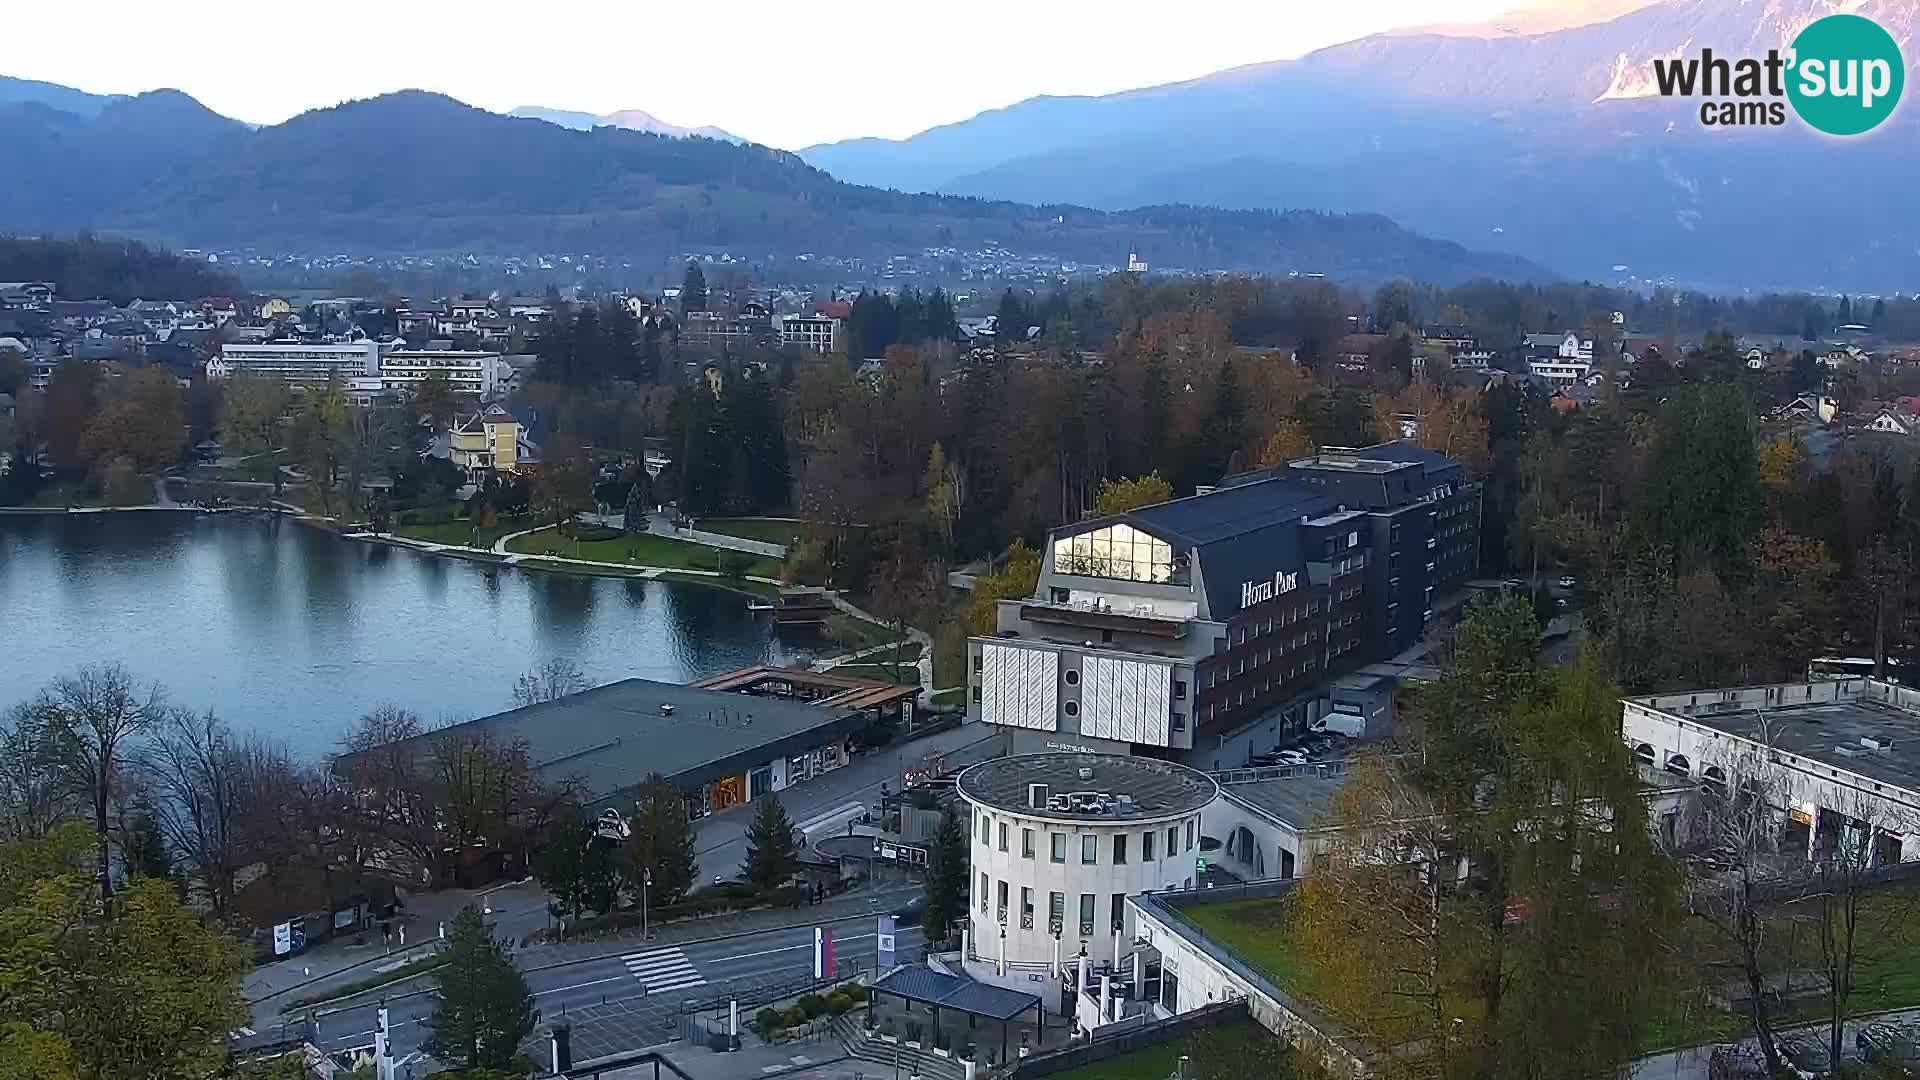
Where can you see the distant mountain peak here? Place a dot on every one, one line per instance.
(628, 119)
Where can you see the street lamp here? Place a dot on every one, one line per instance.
(646, 880)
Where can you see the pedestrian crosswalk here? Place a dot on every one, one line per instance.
(663, 969)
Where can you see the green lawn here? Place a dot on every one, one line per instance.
(460, 531)
(640, 549)
(1159, 1061)
(893, 673)
(786, 533)
(853, 634)
(1256, 930)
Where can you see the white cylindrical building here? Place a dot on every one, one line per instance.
(1060, 840)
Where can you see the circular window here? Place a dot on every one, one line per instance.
(1073, 677)
(1073, 708)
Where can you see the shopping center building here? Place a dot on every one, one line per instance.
(1167, 629)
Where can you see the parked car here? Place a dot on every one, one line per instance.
(1736, 1063)
(1807, 1057)
(1896, 1046)
(1566, 581)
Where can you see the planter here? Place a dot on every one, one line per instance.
(889, 1038)
(1024, 1051)
(942, 1052)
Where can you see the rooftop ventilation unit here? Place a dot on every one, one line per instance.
(1037, 796)
(665, 709)
(1881, 746)
(1086, 773)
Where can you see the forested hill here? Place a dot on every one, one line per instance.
(119, 270)
(415, 171)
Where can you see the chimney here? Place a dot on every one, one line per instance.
(1037, 796)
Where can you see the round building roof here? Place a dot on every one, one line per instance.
(1087, 788)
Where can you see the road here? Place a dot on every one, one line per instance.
(1691, 1063)
(628, 1000)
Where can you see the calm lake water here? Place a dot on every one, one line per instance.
(292, 632)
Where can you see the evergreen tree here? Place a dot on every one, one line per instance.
(1156, 415)
(1702, 498)
(946, 878)
(759, 443)
(146, 851)
(1011, 320)
(576, 867)
(484, 1008)
(771, 851)
(940, 323)
(661, 844)
(619, 342)
(693, 289)
(1846, 311)
(1879, 314)
(635, 517)
(1228, 428)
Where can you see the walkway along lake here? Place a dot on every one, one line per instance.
(293, 632)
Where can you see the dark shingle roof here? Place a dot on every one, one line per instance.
(917, 982)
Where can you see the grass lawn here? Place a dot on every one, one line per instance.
(460, 530)
(1256, 930)
(257, 469)
(1157, 1062)
(640, 549)
(852, 634)
(786, 533)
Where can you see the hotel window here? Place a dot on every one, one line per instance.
(1179, 689)
(1192, 827)
(1026, 843)
(1086, 914)
(979, 663)
(1119, 915)
(1059, 846)
(1119, 849)
(1179, 720)
(1001, 907)
(986, 829)
(1026, 908)
(1173, 843)
(1146, 846)
(1056, 912)
(1003, 836)
(983, 890)
(1089, 849)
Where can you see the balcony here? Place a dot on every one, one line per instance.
(1136, 620)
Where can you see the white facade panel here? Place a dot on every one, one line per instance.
(1020, 687)
(1127, 700)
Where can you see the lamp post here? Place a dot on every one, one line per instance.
(646, 880)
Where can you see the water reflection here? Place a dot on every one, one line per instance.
(294, 632)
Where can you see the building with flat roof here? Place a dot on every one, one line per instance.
(1272, 822)
(475, 372)
(815, 333)
(299, 363)
(1177, 627)
(1061, 840)
(1842, 756)
(720, 749)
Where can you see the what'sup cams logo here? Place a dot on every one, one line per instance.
(1843, 76)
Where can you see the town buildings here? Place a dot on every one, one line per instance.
(492, 440)
(1193, 628)
(1559, 359)
(1837, 759)
(367, 367)
(815, 333)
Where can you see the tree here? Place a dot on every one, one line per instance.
(1289, 441)
(145, 851)
(88, 720)
(1016, 578)
(320, 437)
(71, 399)
(484, 1008)
(144, 422)
(554, 679)
(576, 866)
(1121, 495)
(946, 486)
(133, 987)
(633, 518)
(662, 842)
(772, 854)
(693, 289)
(947, 857)
(563, 484)
(194, 771)
(434, 399)
(251, 410)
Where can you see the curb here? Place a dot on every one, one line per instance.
(329, 1006)
(322, 978)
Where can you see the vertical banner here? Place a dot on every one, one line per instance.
(822, 953)
(885, 936)
(282, 938)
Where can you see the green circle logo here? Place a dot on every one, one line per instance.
(1846, 75)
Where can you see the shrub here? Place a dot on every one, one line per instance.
(795, 1016)
(838, 1003)
(812, 1004)
(914, 1028)
(768, 1021)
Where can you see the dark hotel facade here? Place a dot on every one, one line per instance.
(1163, 629)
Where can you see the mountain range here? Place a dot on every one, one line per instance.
(420, 172)
(1540, 135)
(629, 119)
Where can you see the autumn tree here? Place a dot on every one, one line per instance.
(142, 422)
(90, 722)
(1016, 578)
(1119, 495)
(434, 400)
(576, 866)
(320, 438)
(555, 679)
(1290, 441)
(563, 484)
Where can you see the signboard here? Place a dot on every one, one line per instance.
(282, 938)
(343, 918)
(886, 938)
(610, 825)
(1259, 592)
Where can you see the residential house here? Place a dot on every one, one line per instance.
(1809, 407)
(1570, 360)
(275, 308)
(815, 333)
(1450, 337)
(159, 316)
(493, 439)
(20, 295)
(1357, 354)
(1893, 422)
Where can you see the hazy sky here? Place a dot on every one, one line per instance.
(786, 74)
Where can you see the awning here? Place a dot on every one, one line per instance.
(917, 982)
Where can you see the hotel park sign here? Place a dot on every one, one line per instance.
(1259, 592)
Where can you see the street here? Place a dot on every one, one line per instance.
(627, 999)
(1691, 1063)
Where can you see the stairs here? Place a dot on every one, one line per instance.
(923, 1063)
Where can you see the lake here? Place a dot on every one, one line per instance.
(292, 632)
